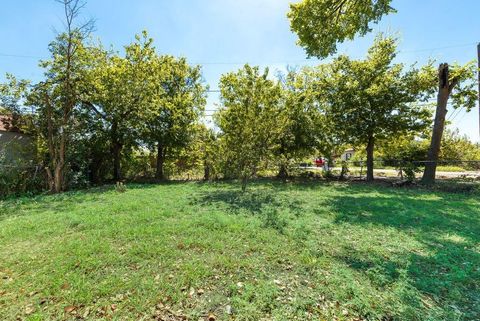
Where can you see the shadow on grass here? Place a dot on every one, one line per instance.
(250, 202)
(446, 226)
(260, 200)
(18, 206)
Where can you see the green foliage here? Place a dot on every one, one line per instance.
(248, 121)
(301, 124)
(144, 98)
(19, 176)
(458, 147)
(120, 187)
(373, 97)
(12, 95)
(371, 100)
(465, 89)
(57, 98)
(98, 110)
(179, 100)
(321, 24)
(120, 94)
(202, 153)
(405, 153)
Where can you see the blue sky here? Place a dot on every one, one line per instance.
(223, 34)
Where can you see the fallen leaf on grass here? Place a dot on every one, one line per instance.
(29, 309)
(69, 309)
(86, 313)
(211, 317)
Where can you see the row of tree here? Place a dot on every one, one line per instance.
(97, 110)
(95, 106)
(321, 24)
(343, 103)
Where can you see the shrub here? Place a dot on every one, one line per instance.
(120, 187)
(18, 173)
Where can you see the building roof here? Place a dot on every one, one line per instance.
(5, 124)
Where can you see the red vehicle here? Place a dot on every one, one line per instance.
(319, 162)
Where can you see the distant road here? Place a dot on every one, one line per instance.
(394, 173)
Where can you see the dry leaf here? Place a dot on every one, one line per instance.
(211, 317)
(69, 309)
(29, 309)
(86, 313)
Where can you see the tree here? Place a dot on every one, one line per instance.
(456, 83)
(201, 153)
(12, 95)
(179, 100)
(299, 121)
(208, 147)
(248, 120)
(458, 147)
(373, 99)
(121, 91)
(58, 96)
(321, 24)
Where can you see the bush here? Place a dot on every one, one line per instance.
(409, 170)
(18, 173)
(20, 180)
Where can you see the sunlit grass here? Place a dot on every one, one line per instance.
(310, 251)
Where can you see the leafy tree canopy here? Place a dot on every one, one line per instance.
(374, 99)
(248, 120)
(322, 24)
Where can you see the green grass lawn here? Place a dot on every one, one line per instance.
(192, 251)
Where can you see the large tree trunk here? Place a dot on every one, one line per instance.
(244, 183)
(60, 185)
(159, 174)
(117, 153)
(206, 171)
(370, 150)
(117, 167)
(283, 172)
(58, 179)
(445, 88)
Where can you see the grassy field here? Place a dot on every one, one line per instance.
(193, 251)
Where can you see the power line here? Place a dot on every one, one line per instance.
(458, 110)
(20, 56)
(11, 55)
(439, 48)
